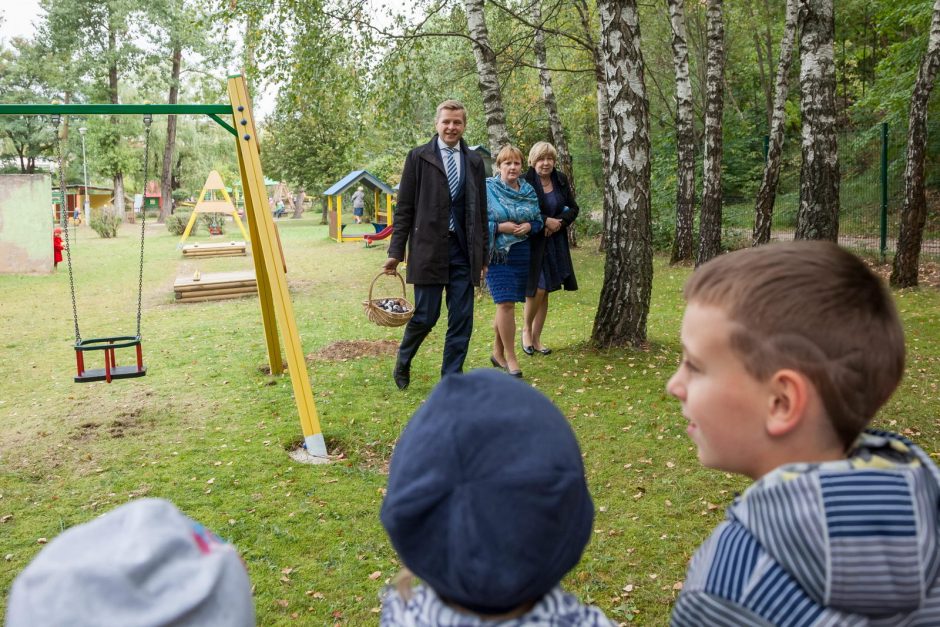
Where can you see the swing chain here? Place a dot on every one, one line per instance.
(148, 119)
(63, 218)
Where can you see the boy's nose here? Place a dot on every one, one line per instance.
(674, 387)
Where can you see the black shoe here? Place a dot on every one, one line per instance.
(496, 364)
(528, 350)
(515, 373)
(544, 351)
(402, 375)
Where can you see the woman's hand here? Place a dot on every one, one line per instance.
(522, 229)
(508, 227)
(552, 226)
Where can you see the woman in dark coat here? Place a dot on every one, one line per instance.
(550, 266)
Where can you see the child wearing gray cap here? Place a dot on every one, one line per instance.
(143, 564)
(488, 505)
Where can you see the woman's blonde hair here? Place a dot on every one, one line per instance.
(506, 152)
(540, 150)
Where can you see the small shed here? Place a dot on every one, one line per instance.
(334, 198)
(98, 199)
(487, 157)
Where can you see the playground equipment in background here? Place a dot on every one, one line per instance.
(370, 238)
(213, 199)
(215, 286)
(334, 197)
(153, 199)
(274, 298)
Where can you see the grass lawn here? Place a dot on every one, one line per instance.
(208, 430)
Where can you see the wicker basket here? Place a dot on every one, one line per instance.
(388, 318)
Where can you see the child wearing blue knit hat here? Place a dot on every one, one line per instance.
(487, 504)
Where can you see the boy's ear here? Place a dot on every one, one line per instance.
(788, 402)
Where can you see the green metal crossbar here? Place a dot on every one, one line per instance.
(211, 110)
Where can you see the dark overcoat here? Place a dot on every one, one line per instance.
(560, 182)
(423, 214)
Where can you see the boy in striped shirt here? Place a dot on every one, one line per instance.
(789, 350)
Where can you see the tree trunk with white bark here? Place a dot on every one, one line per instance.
(487, 76)
(685, 137)
(914, 209)
(818, 215)
(709, 244)
(767, 193)
(628, 272)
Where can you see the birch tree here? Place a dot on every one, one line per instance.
(914, 209)
(767, 193)
(709, 244)
(628, 271)
(818, 215)
(685, 137)
(487, 75)
(551, 106)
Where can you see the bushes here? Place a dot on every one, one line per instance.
(176, 223)
(105, 225)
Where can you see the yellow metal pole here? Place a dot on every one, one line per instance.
(259, 215)
(339, 218)
(388, 208)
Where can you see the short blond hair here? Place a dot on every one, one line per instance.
(541, 150)
(506, 152)
(450, 105)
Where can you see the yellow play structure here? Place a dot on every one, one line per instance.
(213, 199)
(334, 198)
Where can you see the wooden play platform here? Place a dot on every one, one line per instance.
(215, 249)
(215, 286)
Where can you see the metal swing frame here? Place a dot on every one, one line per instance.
(273, 295)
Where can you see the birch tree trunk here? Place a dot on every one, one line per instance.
(914, 209)
(685, 137)
(628, 271)
(767, 193)
(709, 234)
(166, 176)
(603, 116)
(487, 76)
(818, 216)
(551, 106)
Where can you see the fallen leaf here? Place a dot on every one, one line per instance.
(283, 602)
(375, 575)
(42, 540)
(677, 585)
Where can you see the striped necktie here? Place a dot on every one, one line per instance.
(453, 180)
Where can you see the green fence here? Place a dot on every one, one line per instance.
(871, 192)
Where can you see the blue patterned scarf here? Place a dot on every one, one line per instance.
(507, 204)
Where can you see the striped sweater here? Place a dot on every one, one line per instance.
(425, 609)
(851, 542)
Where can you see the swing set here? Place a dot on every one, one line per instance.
(274, 298)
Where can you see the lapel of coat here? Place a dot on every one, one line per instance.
(432, 155)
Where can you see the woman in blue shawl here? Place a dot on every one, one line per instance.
(514, 214)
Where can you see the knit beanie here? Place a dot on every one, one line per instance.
(486, 499)
(141, 565)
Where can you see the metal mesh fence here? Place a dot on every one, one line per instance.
(871, 192)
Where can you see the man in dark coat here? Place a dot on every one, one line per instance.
(441, 216)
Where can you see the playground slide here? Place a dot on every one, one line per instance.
(384, 233)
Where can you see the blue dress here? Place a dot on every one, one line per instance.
(507, 280)
(556, 260)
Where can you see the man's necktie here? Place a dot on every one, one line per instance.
(453, 180)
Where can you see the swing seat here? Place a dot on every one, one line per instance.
(111, 370)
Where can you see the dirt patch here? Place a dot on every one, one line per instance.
(344, 350)
(125, 423)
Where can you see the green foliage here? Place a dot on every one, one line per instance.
(213, 222)
(176, 223)
(105, 224)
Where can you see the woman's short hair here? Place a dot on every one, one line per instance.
(506, 152)
(541, 150)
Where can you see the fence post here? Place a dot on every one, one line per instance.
(884, 191)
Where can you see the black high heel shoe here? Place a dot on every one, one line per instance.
(515, 373)
(496, 364)
(528, 350)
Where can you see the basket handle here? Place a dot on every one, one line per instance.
(404, 294)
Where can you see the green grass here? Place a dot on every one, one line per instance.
(209, 431)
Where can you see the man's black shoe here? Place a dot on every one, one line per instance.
(402, 376)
